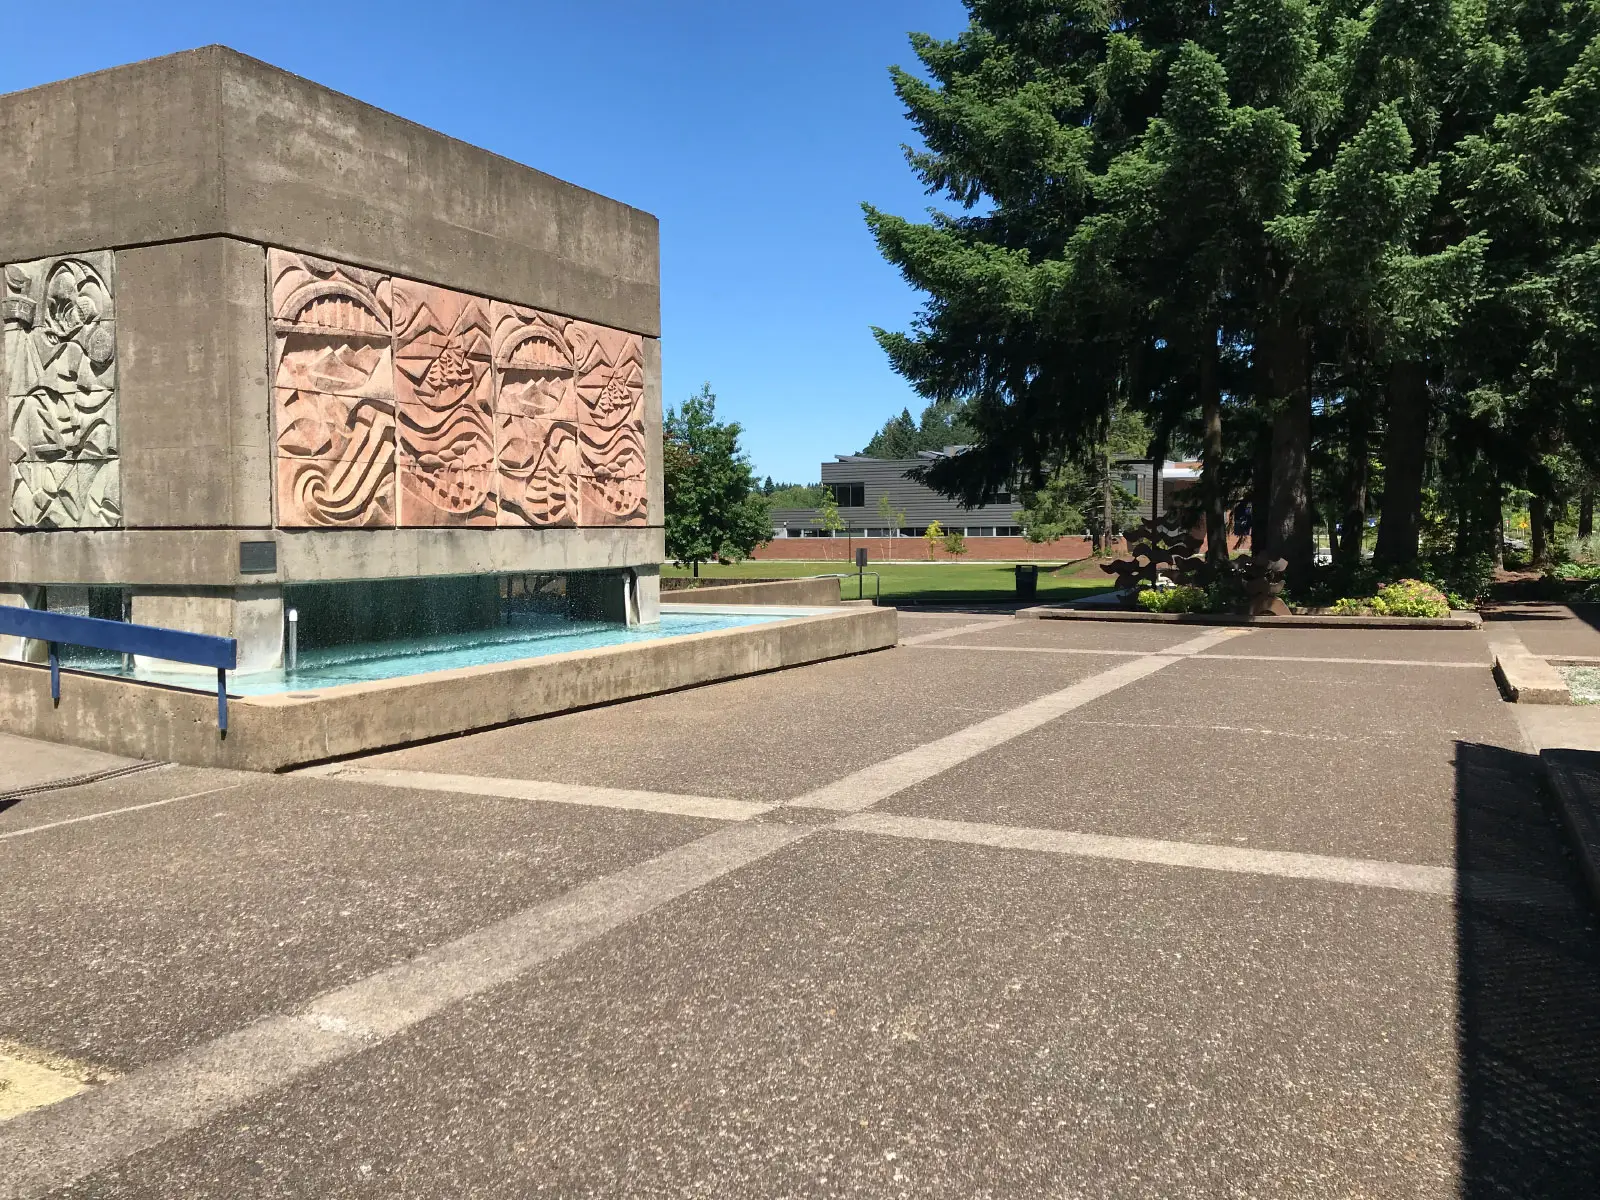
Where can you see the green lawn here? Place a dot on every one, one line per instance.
(926, 581)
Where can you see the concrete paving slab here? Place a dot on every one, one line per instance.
(26, 762)
(1083, 635)
(1549, 629)
(109, 795)
(1444, 645)
(1346, 760)
(1551, 727)
(129, 939)
(762, 739)
(856, 1018)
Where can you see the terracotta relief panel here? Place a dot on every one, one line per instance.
(399, 403)
(536, 414)
(444, 392)
(610, 386)
(333, 393)
(60, 347)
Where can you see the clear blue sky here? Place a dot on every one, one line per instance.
(752, 128)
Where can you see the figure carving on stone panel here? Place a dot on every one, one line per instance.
(333, 393)
(60, 346)
(444, 388)
(610, 386)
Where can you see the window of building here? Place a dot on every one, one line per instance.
(1001, 498)
(1131, 482)
(849, 495)
(1008, 531)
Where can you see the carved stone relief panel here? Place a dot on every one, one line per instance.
(399, 403)
(60, 346)
(610, 386)
(333, 393)
(444, 392)
(536, 410)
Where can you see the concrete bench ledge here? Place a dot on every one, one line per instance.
(1574, 777)
(1050, 612)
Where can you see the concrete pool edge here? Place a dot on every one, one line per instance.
(272, 733)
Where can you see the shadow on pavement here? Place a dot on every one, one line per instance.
(1529, 980)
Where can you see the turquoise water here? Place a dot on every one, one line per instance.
(530, 637)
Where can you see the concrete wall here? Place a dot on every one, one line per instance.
(192, 345)
(271, 733)
(210, 557)
(188, 167)
(209, 142)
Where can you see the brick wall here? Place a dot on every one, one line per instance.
(979, 549)
(908, 549)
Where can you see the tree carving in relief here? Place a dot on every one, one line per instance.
(60, 347)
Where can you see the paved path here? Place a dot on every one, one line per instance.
(1552, 630)
(1017, 909)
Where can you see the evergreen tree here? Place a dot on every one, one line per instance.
(1346, 250)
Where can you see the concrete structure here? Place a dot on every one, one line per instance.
(259, 334)
(269, 733)
(815, 590)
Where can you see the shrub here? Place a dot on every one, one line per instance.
(1173, 599)
(1411, 598)
(1584, 550)
(1578, 571)
(1406, 598)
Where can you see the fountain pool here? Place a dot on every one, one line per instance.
(531, 635)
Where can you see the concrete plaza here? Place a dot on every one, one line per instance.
(1016, 909)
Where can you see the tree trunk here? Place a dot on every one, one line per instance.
(1405, 457)
(1261, 492)
(1211, 455)
(1538, 511)
(697, 568)
(1499, 529)
(1586, 513)
(1105, 501)
(1354, 522)
(1286, 356)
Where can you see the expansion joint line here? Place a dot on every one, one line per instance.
(53, 1147)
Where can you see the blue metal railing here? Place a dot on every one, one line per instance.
(152, 641)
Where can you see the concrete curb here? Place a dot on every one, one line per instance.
(808, 591)
(1523, 676)
(1574, 778)
(1052, 613)
(287, 729)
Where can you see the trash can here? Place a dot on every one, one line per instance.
(1027, 580)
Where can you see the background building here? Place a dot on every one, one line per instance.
(992, 531)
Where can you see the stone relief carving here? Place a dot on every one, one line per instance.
(333, 393)
(536, 418)
(60, 347)
(403, 403)
(610, 385)
(444, 392)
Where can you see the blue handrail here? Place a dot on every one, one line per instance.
(152, 641)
